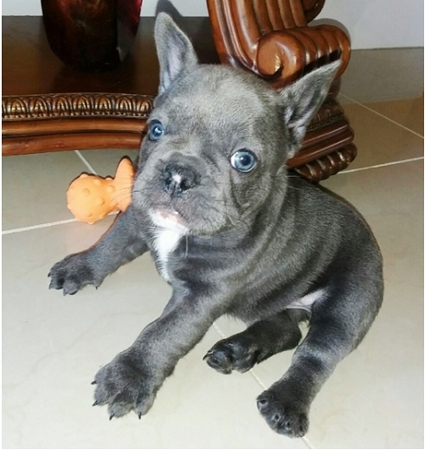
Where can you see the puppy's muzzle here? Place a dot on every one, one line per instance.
(178, 179)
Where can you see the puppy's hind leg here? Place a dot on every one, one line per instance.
(337, 325)
(258, 342)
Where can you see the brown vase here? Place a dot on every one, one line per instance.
(91, 35)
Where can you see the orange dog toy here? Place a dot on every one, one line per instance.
(90, 197)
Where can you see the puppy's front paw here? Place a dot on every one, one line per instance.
(72, 274)
(124, 386)
(234, 353)
(283, 415)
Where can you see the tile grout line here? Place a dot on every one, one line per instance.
(377, 166)
(37, 227)
(381, 115)
(307, 442)
(85, 162)
(47, 225)
(217, 328)
(51, 224)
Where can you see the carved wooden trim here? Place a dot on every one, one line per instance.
(323, 168)
(81, 105)
(329, 112)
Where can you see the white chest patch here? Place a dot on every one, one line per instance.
(169, 230)
(307, 301)
(165, 242)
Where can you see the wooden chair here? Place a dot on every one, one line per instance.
(272, 39)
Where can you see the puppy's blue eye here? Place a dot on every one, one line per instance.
(243, 161)
(156, 130)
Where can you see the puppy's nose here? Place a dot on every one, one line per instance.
(179, 179)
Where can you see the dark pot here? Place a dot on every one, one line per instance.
(91, 35)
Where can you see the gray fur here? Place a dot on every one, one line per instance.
(263, 246)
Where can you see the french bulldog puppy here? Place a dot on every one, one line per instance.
(233, 233)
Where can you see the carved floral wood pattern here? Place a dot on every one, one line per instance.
(69, 121)
(76, 105)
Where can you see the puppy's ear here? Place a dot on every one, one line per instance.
(301, 100)
(175, 52)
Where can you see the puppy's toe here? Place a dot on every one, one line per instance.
(121, 405)
(219, 360)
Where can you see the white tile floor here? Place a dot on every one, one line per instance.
(53, 345)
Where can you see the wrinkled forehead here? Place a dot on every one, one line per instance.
(216, 98)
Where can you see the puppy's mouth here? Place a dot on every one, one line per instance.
(168, 218)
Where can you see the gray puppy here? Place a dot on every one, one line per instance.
(234, 234)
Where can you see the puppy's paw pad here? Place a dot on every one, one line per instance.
(284, 417)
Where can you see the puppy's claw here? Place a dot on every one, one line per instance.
(95, 403)
(111, 416)
(209, 353)
(51, 285)
(94, 382)
(69, 290)
(140, 416)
